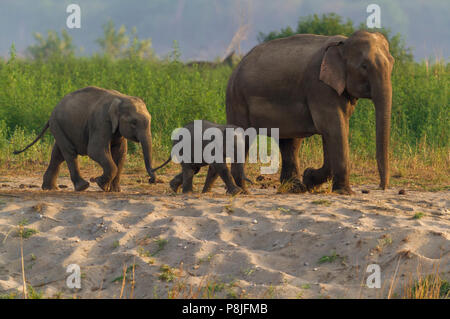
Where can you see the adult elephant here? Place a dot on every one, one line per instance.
(309, 84)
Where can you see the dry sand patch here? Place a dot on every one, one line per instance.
(259, 245)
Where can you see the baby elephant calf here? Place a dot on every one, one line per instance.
(211, 150)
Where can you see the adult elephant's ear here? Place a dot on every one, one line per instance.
(114, 114)
(332, 69)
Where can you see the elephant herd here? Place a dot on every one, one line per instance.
(303, 85)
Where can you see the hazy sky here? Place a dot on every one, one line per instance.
(205, 28)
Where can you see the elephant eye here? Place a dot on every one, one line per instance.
(134, 122)
(364, 66)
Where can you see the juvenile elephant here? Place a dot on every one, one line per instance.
(95, 122)
(309, 84)
(217, 165)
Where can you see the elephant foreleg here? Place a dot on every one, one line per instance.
(338, 152)
(51, 174)
(224, 173)
(176, 182)
(104, 158)
(188, 179)
(290, 167)
(119, 155)
(314, 177)
(211, 177)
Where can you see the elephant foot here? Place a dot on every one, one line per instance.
(104, 185)
(49, 187)
(81, 185)
(206, 190)
(115, 188)
(235, 191)
(187, 191)
(174, 186)
(293, 185)
(344, 191)
(313, 178)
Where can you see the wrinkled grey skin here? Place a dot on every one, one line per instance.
(215, 170)
(309, 84)
(95, 122)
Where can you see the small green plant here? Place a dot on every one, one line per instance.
(161, 244)
(128, 271)
(33, 293)
(305, 286)
(143, 253)
(26, 233)
(206, 259)
(323, 202)
(167, 273)
(270, 292)
(116, 244)
(248, 271)
(384, 241)
(428, 287)
(418, 215)
(328, 259)
(11, 295)
(212, 287)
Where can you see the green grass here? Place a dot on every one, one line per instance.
(167, 273)
(328, 259)
(175, 95)
(418, 215)
(127, 272)
(323, 202)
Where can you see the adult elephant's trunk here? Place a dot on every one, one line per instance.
(146, 143)
(382, 98)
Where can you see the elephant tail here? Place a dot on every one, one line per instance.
(36, 139)
(162, 165)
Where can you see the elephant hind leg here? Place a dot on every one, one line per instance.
(51, 174)
(290, 167)
(119, 155)
(68, 151)
(315, 177)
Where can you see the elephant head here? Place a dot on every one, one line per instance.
(131, 118)
(361, 65)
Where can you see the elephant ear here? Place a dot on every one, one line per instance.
(114, 114)
(332, 69)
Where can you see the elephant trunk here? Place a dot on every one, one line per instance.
(382, 99)
(146, 143)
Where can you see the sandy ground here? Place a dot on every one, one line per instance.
(263, 245)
